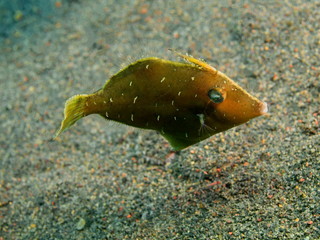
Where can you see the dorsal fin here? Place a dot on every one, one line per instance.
(195, 61)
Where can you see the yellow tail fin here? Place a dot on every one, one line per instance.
(73, 111)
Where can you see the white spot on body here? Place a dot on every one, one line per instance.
(192, 78)
(179, 93)
(107, 115)
(87, 104)
(158, 118)
(94, 103)
(135, 99)
(130, 84)
(164, 78)
(111, 100)
(172, 102)
(175, 118)
(122, 94)
(147, 66)
(132, 117)
(186, 135)
(201, 118)
(196, 95)
(104, 102)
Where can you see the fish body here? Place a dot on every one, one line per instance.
(185, 102)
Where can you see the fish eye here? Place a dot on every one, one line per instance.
(215, 96)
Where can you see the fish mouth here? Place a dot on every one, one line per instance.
(264, 108)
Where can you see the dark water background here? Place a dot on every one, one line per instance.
(23, 15)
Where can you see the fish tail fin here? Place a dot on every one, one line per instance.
(75, 109)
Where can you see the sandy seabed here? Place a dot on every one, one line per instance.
(106, 181)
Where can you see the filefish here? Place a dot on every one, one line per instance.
(186, 102)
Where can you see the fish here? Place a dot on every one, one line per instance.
(186, 102)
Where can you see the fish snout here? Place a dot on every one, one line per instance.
(263, 108)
